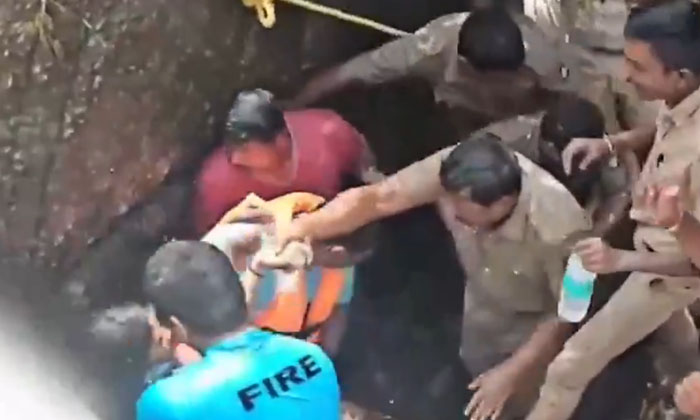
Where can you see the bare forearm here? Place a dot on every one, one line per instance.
(658, 263)
(541, 348)
(636, 140)
(688, 235)
(349, 211)
(323, 85)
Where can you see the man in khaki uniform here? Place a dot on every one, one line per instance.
(512, 224)
(603, 189)
(484, 66)
(663, 58)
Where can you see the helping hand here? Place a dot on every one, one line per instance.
(493, 389)
(598, 257)
(591, 149)
(295, 256)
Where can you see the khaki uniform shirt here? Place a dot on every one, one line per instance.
(514, 273)
(431, 53)
(522, 134)
(676, 147)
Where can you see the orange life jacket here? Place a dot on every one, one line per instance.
(292, 313)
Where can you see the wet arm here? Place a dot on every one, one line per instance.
(638, 140)
(391, 61)
(413, 186)
(540, 349)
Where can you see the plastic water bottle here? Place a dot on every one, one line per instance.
(576, 291)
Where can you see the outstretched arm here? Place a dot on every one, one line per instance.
(413, 186)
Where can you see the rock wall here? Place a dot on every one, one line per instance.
(100, 100)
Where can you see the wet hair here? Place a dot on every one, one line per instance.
(253, 116)
(672, 29)
(197, 284)
(122, 330)
(491, 41)
(567, 118)
(482, 169)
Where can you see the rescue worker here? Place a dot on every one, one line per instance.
(484, 66)
(243, 372)
(604, 190)
(663, 62)
(271, 153)
(670, 206)
(499, 207)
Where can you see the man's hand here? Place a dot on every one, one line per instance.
(687, 395)
(665, 205)
(296, 231)
(295, 256)
(598, 257)
(591, 150)
(493, 389)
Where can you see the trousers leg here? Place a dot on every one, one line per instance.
(640, 306)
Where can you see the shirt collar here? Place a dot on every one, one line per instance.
(247, 339)
(684, 110)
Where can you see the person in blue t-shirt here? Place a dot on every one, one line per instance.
(243, 372)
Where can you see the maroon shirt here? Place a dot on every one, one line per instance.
(326, 149)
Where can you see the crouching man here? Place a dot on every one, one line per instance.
(243, 372)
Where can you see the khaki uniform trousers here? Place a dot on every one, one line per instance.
(641, 305)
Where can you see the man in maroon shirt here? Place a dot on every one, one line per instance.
(271, 153)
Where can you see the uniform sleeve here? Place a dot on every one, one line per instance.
(418, 54)
(419, 183)
(154, 406)
(559, 221)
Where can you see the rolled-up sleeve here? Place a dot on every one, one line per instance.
(418, 54)
(419, 183)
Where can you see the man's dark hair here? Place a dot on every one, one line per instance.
(567, 118)
(122, 331)
(483, 169)
(672, 29)
(253, 116)
(491, 41)
(196, 283)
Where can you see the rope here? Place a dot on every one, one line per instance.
(266, 14)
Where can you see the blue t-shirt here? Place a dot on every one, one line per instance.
(257, 375)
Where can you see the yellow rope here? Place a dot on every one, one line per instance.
(267, 17)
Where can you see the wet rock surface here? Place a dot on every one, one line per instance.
(101, 100)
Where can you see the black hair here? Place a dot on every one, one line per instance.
(253, 116)
(672, 29)
(122, 331)
(491, 41)
(567, 118)
(482, 169)
(197, 284)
